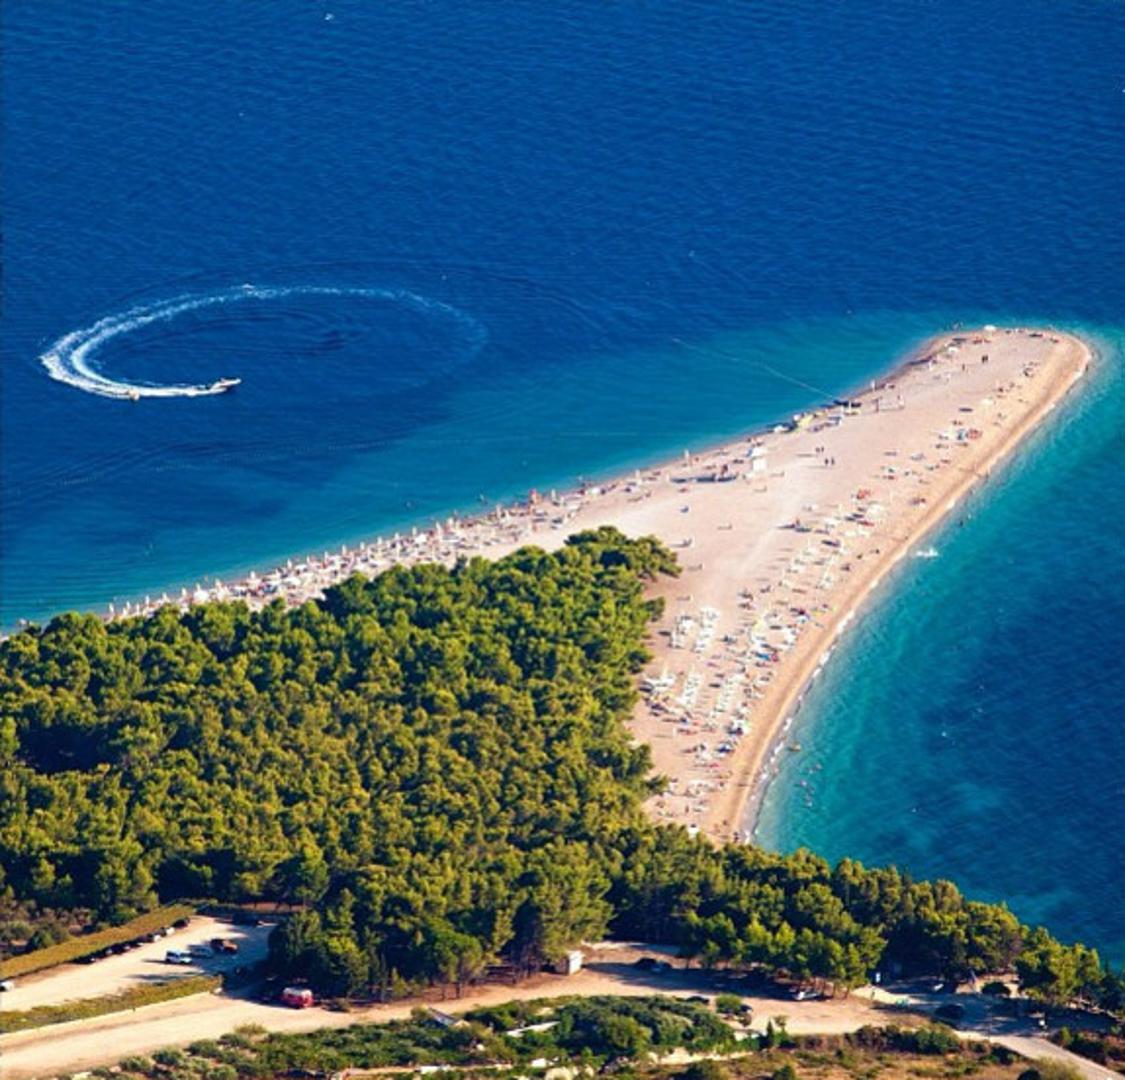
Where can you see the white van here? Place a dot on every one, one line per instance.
(178, 956)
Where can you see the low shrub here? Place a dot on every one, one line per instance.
(931, 1040)
(704, 1070)
(1050, 1070)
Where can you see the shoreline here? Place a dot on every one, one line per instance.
(737, 653)
(973, 485)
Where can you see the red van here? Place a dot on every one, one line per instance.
(297, 997)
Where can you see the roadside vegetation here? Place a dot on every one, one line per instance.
(627, 1036)
(86, 1008)
(433, 767)
(1105, 1047)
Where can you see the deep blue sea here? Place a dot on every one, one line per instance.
(458, 250)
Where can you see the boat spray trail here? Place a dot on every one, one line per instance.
(72, 359)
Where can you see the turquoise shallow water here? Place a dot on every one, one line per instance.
(505, 245)
(969, 726)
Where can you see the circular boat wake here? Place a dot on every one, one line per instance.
(72, 359)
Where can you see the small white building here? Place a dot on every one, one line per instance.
(569, 963)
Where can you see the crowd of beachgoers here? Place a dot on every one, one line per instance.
(305, 578)
(742, 641)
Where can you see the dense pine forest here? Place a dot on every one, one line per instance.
(434, 766)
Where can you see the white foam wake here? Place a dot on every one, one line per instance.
(72, 358)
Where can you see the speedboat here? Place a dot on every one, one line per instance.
(222, 385)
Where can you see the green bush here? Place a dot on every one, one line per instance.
(1001, 1054)
(222, 1072)
(1045, 1069)
(136, 1064)
(704, 1070)
(169, 1057)
(932, 1040)
(731, 1004)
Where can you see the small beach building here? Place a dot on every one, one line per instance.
(569, 963)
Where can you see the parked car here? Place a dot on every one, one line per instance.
(7, 984)
(179, 924)
(224, 945)
(178, 956)
(297, 997)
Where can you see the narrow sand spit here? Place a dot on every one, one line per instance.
(782, 535)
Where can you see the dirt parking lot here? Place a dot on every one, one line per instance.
(141, 966)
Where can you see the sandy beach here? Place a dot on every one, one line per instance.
(781, 535)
